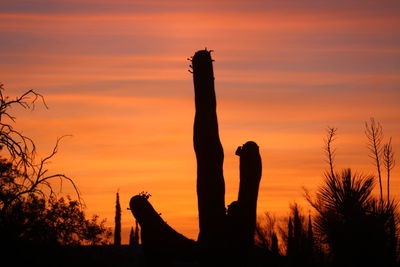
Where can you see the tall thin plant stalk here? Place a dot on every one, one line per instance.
(389, 163)
(330, 152)
(374, 133)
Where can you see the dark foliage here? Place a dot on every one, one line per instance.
(30, 211)
(358, 228)
(265, 234)
(117, 228)
(54, 221)
(298, 237)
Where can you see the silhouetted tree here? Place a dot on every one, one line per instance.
(134, 235)
(25, 175)
(297, 237)
(117, 228)
(30, 211)
(358, 228)
(342, 216)
(53, 221)
(265, 234)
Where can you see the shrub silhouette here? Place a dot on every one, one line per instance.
(225, 236)
(358, 228)
(265, 235)
(31, 213)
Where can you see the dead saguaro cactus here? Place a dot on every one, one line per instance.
(226, 237)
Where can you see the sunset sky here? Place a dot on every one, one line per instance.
(114, 75)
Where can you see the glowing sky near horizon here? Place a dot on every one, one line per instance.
(114, 75)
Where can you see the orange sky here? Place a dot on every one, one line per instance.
(114, 74)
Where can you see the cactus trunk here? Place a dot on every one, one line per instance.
(209, 155)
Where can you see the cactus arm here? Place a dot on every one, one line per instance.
(250, 176)
(161, 243)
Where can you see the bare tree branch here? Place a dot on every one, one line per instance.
(24, 175)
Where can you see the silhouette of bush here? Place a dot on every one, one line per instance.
(358, 228)
(21, 173)
(30, 211)
(265, 234)
(298, 237)
(54, 221)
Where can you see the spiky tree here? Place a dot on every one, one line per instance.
(296, 236)
(358, 228)
(117, 228)
(134, 235)
(310, 251)
(341, 205)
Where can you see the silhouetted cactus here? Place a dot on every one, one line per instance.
(250, 176)
(210, 157)
(161, 243)
(216, 228)
(225, 237)
(117, 228)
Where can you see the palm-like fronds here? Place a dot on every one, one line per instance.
(356, 226)
(345, 192)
